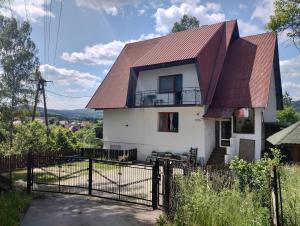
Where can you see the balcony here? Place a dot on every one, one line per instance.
(187, 96)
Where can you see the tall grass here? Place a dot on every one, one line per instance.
(199, 203)
(219, 201)
(12, 207)
(290, 183)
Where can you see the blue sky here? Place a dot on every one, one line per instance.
(93, 32)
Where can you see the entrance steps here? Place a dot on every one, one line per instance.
(217, 156)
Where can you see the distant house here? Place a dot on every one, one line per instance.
(206, 88)
(73, 126)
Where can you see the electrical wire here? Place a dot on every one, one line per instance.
(58, 94)
(58, 29)
(49, 29)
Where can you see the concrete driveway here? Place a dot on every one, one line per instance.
(72, 210)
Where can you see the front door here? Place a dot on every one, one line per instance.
(223, 133)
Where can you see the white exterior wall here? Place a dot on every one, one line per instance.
(138, 128)
(257, 136)
(270, 111)
(148, 81)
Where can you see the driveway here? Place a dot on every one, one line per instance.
(72, 210)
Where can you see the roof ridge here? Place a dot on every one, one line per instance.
(290, 129)
(264, 33)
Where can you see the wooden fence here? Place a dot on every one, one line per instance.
(13, 162)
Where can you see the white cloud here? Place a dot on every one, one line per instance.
(141, 12)
(102, 54)
(242, 6)
(293, 89)
(263, 10)
(206, 14)
(35, 9)
(248, 28)
(59, 102)
(290, 67)
(111, 7)
(69, 78)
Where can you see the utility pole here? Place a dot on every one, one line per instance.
(41, 89)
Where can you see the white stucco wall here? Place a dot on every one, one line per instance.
(148, 81)
(257, 136)
(138, 128)
(269, 112)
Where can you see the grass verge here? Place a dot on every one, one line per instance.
(12, 207)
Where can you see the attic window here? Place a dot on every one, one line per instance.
(168, 122)
(244, 120)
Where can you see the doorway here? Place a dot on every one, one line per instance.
(223, 132)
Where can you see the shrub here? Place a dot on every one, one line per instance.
(290, 187)
(12, 207)
(199, 204)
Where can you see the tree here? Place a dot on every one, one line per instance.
(287, 100)
(288, 115)
(20, 65)
(87, 136)
(186, 22)
(286, 18)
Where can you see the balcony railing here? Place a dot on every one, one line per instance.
(187, 96)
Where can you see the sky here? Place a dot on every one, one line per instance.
(77, 49)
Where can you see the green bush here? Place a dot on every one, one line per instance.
(86, 136)
(238, 196)
(199, 204)
(290, 187)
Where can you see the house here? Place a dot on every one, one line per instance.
(288, 140)
(206, 88)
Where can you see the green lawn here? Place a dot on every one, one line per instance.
(12, 208)
(66, 167)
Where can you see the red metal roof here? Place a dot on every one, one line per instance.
(233, 71)
(245, 77)
(112, 93)
(179, 46)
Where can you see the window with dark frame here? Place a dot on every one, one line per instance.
(170, 83)
(243, 121)
(168, 121)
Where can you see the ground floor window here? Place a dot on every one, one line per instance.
(244, 120)
(168, 121)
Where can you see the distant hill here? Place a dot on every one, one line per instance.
(296, 105)
(72, 114)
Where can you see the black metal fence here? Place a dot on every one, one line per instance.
(186, 96)
(146, 184)
(121, 181)
(14, 162)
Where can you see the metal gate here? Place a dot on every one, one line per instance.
(146, 184)
(127, 182)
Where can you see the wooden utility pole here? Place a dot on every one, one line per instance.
(41, 89)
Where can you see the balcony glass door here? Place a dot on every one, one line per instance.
(171, 85)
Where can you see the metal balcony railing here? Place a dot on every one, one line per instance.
(187, 96)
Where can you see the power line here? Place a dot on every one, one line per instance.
(58, 94)
(49, 28)
(45, 29)
(57, 34)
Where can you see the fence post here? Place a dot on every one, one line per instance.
(29, 171)
(155, 184)
(274, 198)
(90, 175)
(167, 185)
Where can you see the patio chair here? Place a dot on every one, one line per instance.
(152, 157)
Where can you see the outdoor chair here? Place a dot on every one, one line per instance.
(152, 157)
